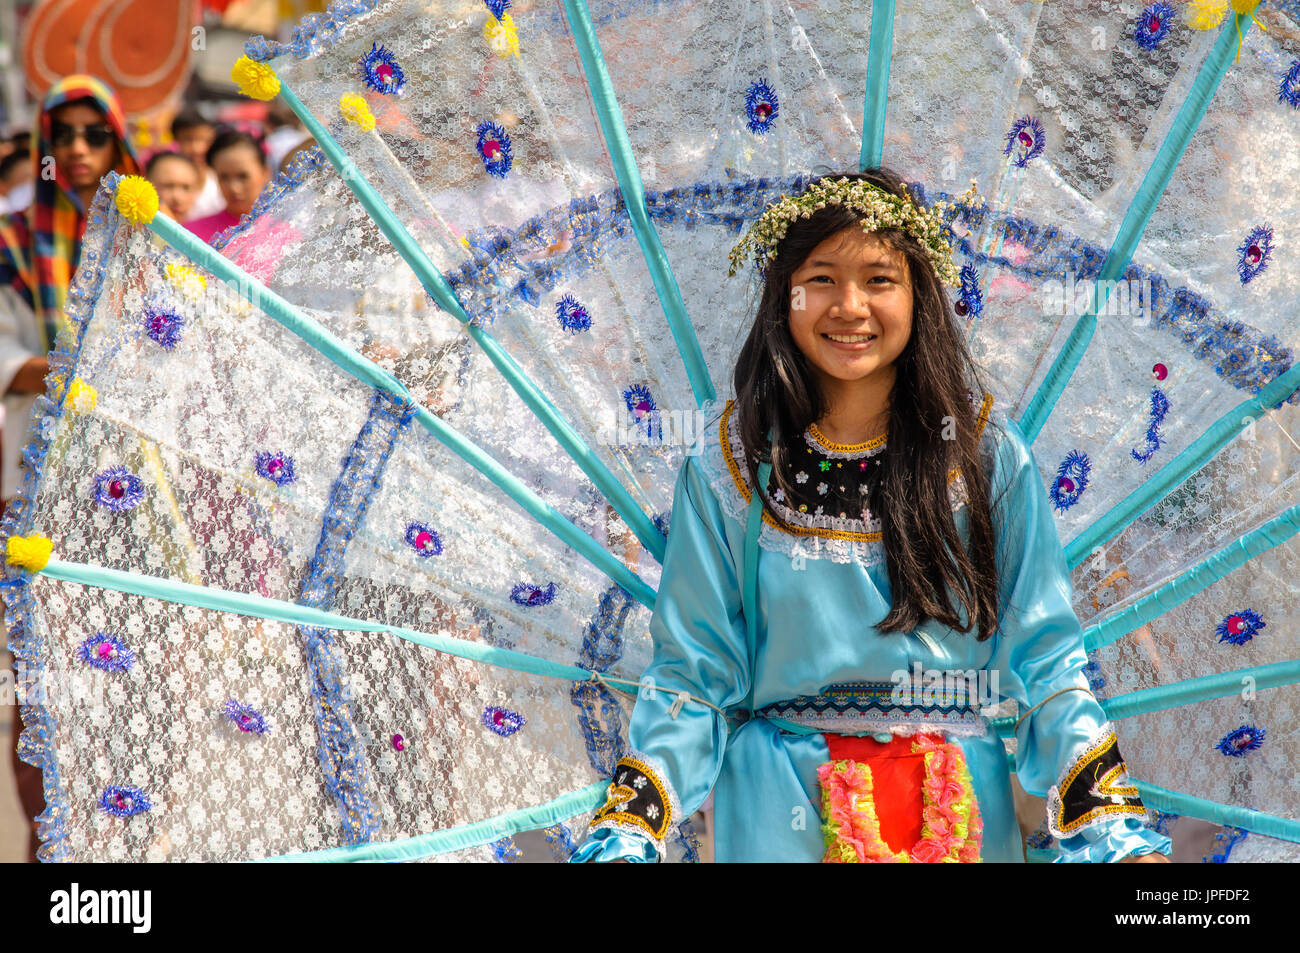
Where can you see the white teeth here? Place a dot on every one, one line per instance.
(851, 338)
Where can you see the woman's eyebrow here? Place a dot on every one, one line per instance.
(874, 263)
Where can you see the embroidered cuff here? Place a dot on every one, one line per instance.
(1094, 790)
(640, 800)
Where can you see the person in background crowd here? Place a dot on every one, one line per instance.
(241, 170)
(194, 136)
(82, 129)
(21, 141)
(177, 180)
(286, 134)
(16, 181)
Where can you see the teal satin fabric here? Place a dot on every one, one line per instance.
(815, 628)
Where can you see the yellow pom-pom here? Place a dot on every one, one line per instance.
(1244, 6)
(82, 398)
(29, 552)
(354, 109)
(255, 80)
(137, 199)
(501, 36)
(1206, 14)
(188, 281)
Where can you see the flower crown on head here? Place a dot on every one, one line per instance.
(879, 210)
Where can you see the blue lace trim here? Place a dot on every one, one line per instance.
(593, 222)
(284, 183)
(340, 753)
(315, 33)
(36, 746)
(599, 714)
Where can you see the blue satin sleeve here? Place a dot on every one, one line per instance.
(605, 845)
(1039, 652)
(700, 648)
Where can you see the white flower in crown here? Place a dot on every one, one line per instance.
(822, 488)
(652, 812)
(640, 782)
(801, 477)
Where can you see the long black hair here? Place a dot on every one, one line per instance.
(933, 430)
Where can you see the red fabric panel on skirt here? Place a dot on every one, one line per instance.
(896, 778)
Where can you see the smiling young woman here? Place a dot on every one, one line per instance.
(855, 513)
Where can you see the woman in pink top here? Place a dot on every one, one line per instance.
(237, 159)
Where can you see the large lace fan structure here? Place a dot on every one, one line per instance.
(356, 530)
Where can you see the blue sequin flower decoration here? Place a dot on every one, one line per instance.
(1159, 410)
(502, 720)
(424, 540)
(573, 317)
(1025, 141)
(970, 300)
(505, 850)
(246, 718)
(118, 489)
(1240, 627)
(644, 410)
(276, 467)
(164, 327)
(1235, 744)
(494, 148)
(124, 801)
(1040, 839)
(525, 595)
(1254, 254)
(761, 106)
(1071, 480)
(1288, 91)
(382, 72)
(498, 7)
(1096, 681)
(106, 653)
(1153, 25)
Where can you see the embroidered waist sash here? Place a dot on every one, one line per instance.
(868, 708)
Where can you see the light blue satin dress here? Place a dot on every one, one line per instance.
(818, 601)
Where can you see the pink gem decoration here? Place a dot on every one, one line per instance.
(1153, 25)
(1236, 624)
(399, 743)
(1026, 139)
(117, 489)
(862, 464)
(1067, 485)
(385, 71)
(423, 539)
(106, 650)
(1254, 253)
(1160, 371)
(491, 148)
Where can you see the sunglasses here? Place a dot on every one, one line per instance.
(96, 136)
